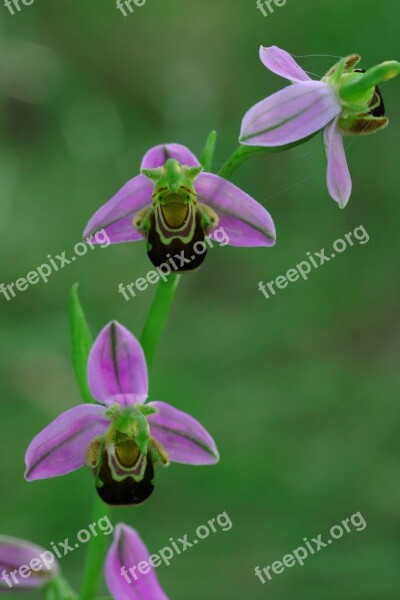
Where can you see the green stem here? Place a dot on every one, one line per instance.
(96, 552)
(206, 157)
(242, 153)
(59, 589)
(158, 315)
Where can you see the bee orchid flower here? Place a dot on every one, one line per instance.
(346, 101)
(174, 205)
(126, 554)
(121, 438)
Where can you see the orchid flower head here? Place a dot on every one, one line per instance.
(121, 438)
(174, 204)
(346, 101)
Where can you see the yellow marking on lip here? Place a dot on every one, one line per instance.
(175, 213)
(127, 453)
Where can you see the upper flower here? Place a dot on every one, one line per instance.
(24, 566)
(121, 438)
(346, 101)
(126, 554)
(174, 205)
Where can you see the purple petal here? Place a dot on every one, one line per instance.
(282, 63)
(291, 114)
(115, 217)
(128, 552)
(158, 156)
(61, 447)
(184, 439)
(117, 370)
(14, 553)
(245, 221)
(338, 175)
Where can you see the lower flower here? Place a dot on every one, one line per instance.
(124, 473)
(121, 439)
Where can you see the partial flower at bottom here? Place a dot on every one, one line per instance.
(122, 438)
(124, 580)
(24, 566)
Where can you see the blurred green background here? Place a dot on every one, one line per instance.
(301, 392)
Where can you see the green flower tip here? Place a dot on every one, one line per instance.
(131, 422)
(357, 87)
(147, 410)
(172, 178)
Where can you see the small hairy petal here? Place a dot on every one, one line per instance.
(362, 125)
(117, 370)
(338, 175)
(185, 439)
(290, 115)
(14, 553)
(115, 217)
(158, 156)
(350, 62)
(61, 447)
(282, 63)
(126, 552)
(244, 221)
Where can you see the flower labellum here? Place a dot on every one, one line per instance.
(175, 224)
(123, 460)
(121, 438)
(174, 204)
